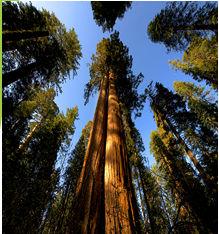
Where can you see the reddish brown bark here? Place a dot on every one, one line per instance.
(119, 207)
(105, 200)
(88, 208)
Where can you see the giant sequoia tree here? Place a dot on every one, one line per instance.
(104, 198)
(179, 22)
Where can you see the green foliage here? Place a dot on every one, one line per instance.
(77, 158)
(200, 60)
(179, 22)
(12, 11)
(184, 185)
(185, 116)
(38, 60)
(106, 13)
(29, 175)
(154, 200)
(146, 184)
(59, 216)
(34, 130)
(110, 53)
(39, 103)
(199, 102)
(205, 110)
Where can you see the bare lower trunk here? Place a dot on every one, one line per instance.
(89, 204)
(119, 208)
(142, 200)
(105, 200)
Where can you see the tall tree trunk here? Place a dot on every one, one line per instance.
(187, 193)
(25, 143)
(19, 73)
(144, 188)
(140, 193)
(62, 210)
(88, 207)
(105, 201)
(119, 207)
(142, 201)
(10, 38)
(205, 177)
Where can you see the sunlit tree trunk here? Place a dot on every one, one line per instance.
(118, 193)
(105, 200)
(23, 146)
(88, 209)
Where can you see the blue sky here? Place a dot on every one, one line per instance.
(148, 58)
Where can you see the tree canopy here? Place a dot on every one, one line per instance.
(179, 22)
(105, 13)
(36, 133)
(31, 57)
(200, 60)
(110, 53)
(107, 182)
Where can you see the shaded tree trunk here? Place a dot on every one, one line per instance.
(62, 212)
(202, 173)
(88, 206)
(140, 193)
(120, 216)
(10, 38)
(150, 216)
(19, 73)
(192, 201)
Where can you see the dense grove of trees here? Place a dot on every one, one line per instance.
(108, 185)
(38, 54)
